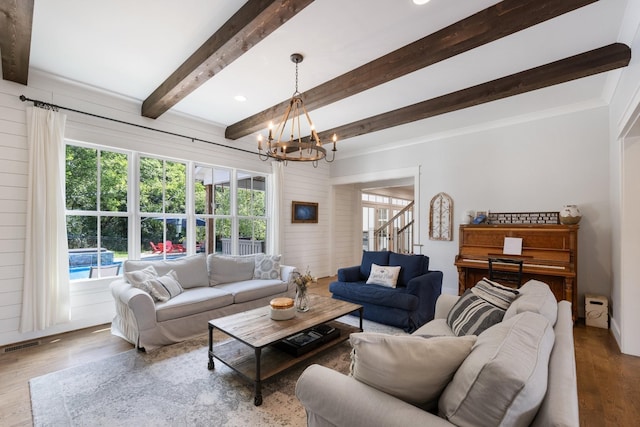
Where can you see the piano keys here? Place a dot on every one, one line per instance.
(549, 254)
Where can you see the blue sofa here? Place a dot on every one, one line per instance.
(409, 305)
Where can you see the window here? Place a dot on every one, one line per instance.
(163, 198)
(230, 213)
(171, 209)
(97, 211)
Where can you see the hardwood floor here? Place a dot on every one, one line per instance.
(608, 382)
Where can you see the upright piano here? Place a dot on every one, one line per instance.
(549, 254)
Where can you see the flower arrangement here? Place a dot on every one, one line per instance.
(302, 281)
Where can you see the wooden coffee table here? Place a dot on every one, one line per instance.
(252, 333)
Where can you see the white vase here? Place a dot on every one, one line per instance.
(467, 217)
(570, 215)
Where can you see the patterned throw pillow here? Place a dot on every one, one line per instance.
(166, 287)
(383, 275)
(480, 308)
(267, 267)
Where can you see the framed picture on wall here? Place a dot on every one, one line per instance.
(304, 212)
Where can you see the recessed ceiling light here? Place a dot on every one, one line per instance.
(240, 98)
(421, 1)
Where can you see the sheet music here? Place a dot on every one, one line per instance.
(512, 246)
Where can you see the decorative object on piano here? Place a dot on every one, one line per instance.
(441, 217)
(524, 218)
(570, 215)
(467, 217)
(481, 217)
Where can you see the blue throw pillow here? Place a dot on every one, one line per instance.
(372, 257)
(412, 266)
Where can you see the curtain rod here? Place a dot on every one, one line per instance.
(48, 105)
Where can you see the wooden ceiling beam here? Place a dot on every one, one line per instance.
(16, 20)
(488, 25)
(247, 27)
(596, 61)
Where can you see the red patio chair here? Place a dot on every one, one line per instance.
(157, 249)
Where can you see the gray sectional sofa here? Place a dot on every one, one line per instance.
(518, 372)
(209, 287)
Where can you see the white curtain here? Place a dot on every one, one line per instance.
(45, 296)
(275, 209)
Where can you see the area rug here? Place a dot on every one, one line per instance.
(172, 386)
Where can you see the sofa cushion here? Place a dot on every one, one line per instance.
(504, 379)
(537, 297)
(412, 266)
(230, 268)
(191, 270)
(435, 327)
(375, 294)
(165, 287)
(411, 368)
(251, 290)
(383, 275)
(480, 307)
(371, 257)
(193, 301)
(267, 267)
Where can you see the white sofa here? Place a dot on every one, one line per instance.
(519, 372)
(214, 286)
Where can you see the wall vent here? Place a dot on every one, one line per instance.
(20, 346)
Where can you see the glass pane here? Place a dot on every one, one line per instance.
(113, 181)
(175, 187)
(81, 178)
(204, 229)
(150, 185)
(222, 192)
(244, 194)
(152, 236)
(223, 236)
(114, 248)
(203, 189)
(82, 237)
(259, 196)
(176, 235)
(248, 229)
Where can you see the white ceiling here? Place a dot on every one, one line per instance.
(131, 47)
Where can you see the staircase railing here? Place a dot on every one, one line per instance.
(393, 236)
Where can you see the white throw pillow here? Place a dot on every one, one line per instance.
(383, 275)
(139, 278)
(166, 287)
(267, 267)
(412, 368)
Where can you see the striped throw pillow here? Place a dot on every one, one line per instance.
(166, 287)
(480, 308)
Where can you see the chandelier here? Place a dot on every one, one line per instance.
(295, 148)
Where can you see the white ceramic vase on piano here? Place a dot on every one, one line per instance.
(570, 215)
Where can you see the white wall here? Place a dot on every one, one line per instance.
(532, 166)
(92, 304)
(625, 190)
